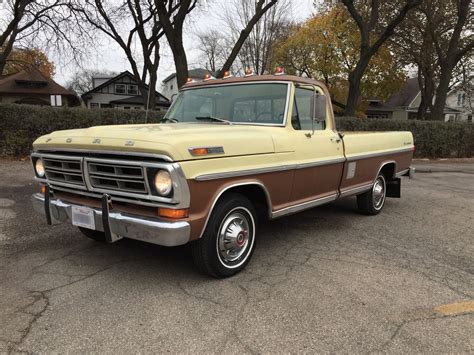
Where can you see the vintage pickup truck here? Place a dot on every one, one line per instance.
(230, 152)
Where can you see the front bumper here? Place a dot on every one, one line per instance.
(118, 225)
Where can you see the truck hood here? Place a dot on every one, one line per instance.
(172, 140)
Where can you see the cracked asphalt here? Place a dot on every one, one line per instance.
(325, 280)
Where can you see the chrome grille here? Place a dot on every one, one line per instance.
(109, 176)
(64, 170)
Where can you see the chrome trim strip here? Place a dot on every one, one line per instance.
(250, 183)
(151, 230)
(303, 206)
(108, 152)
(386, 163)
(378, 154)
(223, 175)
(355, 190)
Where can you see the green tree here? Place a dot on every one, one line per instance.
(326, 47)
(28, 58)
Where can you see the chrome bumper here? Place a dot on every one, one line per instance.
(118, 225)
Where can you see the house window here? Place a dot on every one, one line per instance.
(120, 88)
(56, 100)
(171, 87)
(94, 105)
(132, 90)
(461, 99)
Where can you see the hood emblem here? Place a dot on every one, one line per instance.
(96, 141)
(129, 143)
(69, 140)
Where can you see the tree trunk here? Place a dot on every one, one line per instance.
(3, 61)
(442, 92)
(355, 77)
(152, 88)
(181, 65)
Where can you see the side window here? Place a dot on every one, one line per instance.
(303, 109)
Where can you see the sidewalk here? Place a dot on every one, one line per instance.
(457, 165)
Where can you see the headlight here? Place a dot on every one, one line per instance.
(39, 168)
(163, 183)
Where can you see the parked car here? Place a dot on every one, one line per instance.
(229, 154)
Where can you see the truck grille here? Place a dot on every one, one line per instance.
(64, 170)
(117, 177)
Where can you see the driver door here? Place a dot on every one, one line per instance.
(319, 155)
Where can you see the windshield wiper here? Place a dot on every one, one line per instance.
(212, 118)
(169, 119)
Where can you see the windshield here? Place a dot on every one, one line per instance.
(260, 103)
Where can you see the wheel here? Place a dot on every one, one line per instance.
(372, 201)
(92, 234)
(228, 241)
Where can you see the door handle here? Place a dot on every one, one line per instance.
(335, 139)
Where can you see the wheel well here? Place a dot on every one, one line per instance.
(388, 171)
(257, 195)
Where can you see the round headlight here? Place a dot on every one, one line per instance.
(163, 183)
(39, 167)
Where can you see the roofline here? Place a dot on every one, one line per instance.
(126, 72)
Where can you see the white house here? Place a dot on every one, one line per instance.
(463, 101)
(122, 92)
(170, 84)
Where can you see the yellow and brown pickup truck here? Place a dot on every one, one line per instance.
(229, 152)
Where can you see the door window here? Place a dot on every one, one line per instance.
(303, 111)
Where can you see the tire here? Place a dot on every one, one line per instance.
(372, 201)
(228, 241)
(92, 234)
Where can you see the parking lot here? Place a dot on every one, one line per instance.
(325, 280)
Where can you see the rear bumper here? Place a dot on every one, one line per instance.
(120, 225)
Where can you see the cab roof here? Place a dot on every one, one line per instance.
(252, 78)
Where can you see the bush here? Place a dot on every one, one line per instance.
(20, 125)
(433, 139)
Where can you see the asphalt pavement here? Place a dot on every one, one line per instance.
(325, 280)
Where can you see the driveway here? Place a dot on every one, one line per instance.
(325, 280)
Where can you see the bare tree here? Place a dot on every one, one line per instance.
(213, 49)
(172, 14)
(144, 28)
(257, 50)
(256, 10)
(45, 23)
(452, 41)
(374, 30)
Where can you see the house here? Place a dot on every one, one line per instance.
(170, 84)
(120, 91)
(33, 88)
(404, 104)
(462, 99)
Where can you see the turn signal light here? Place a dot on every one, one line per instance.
(279, 71)
(171, 213)
(43, 189)
(199, 151)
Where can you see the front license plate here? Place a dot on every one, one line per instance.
(83, 217)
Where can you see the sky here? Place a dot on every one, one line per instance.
(109, 57)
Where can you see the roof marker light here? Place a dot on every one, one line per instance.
(227, 74)
(249, 72)
(208, 77)
(190, 80)
(279, 71)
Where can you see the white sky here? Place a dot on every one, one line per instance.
(111, 58)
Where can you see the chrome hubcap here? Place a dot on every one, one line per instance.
(233, 239)
(378, 193)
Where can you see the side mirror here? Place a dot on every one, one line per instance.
(173, 97)
(320, 105)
